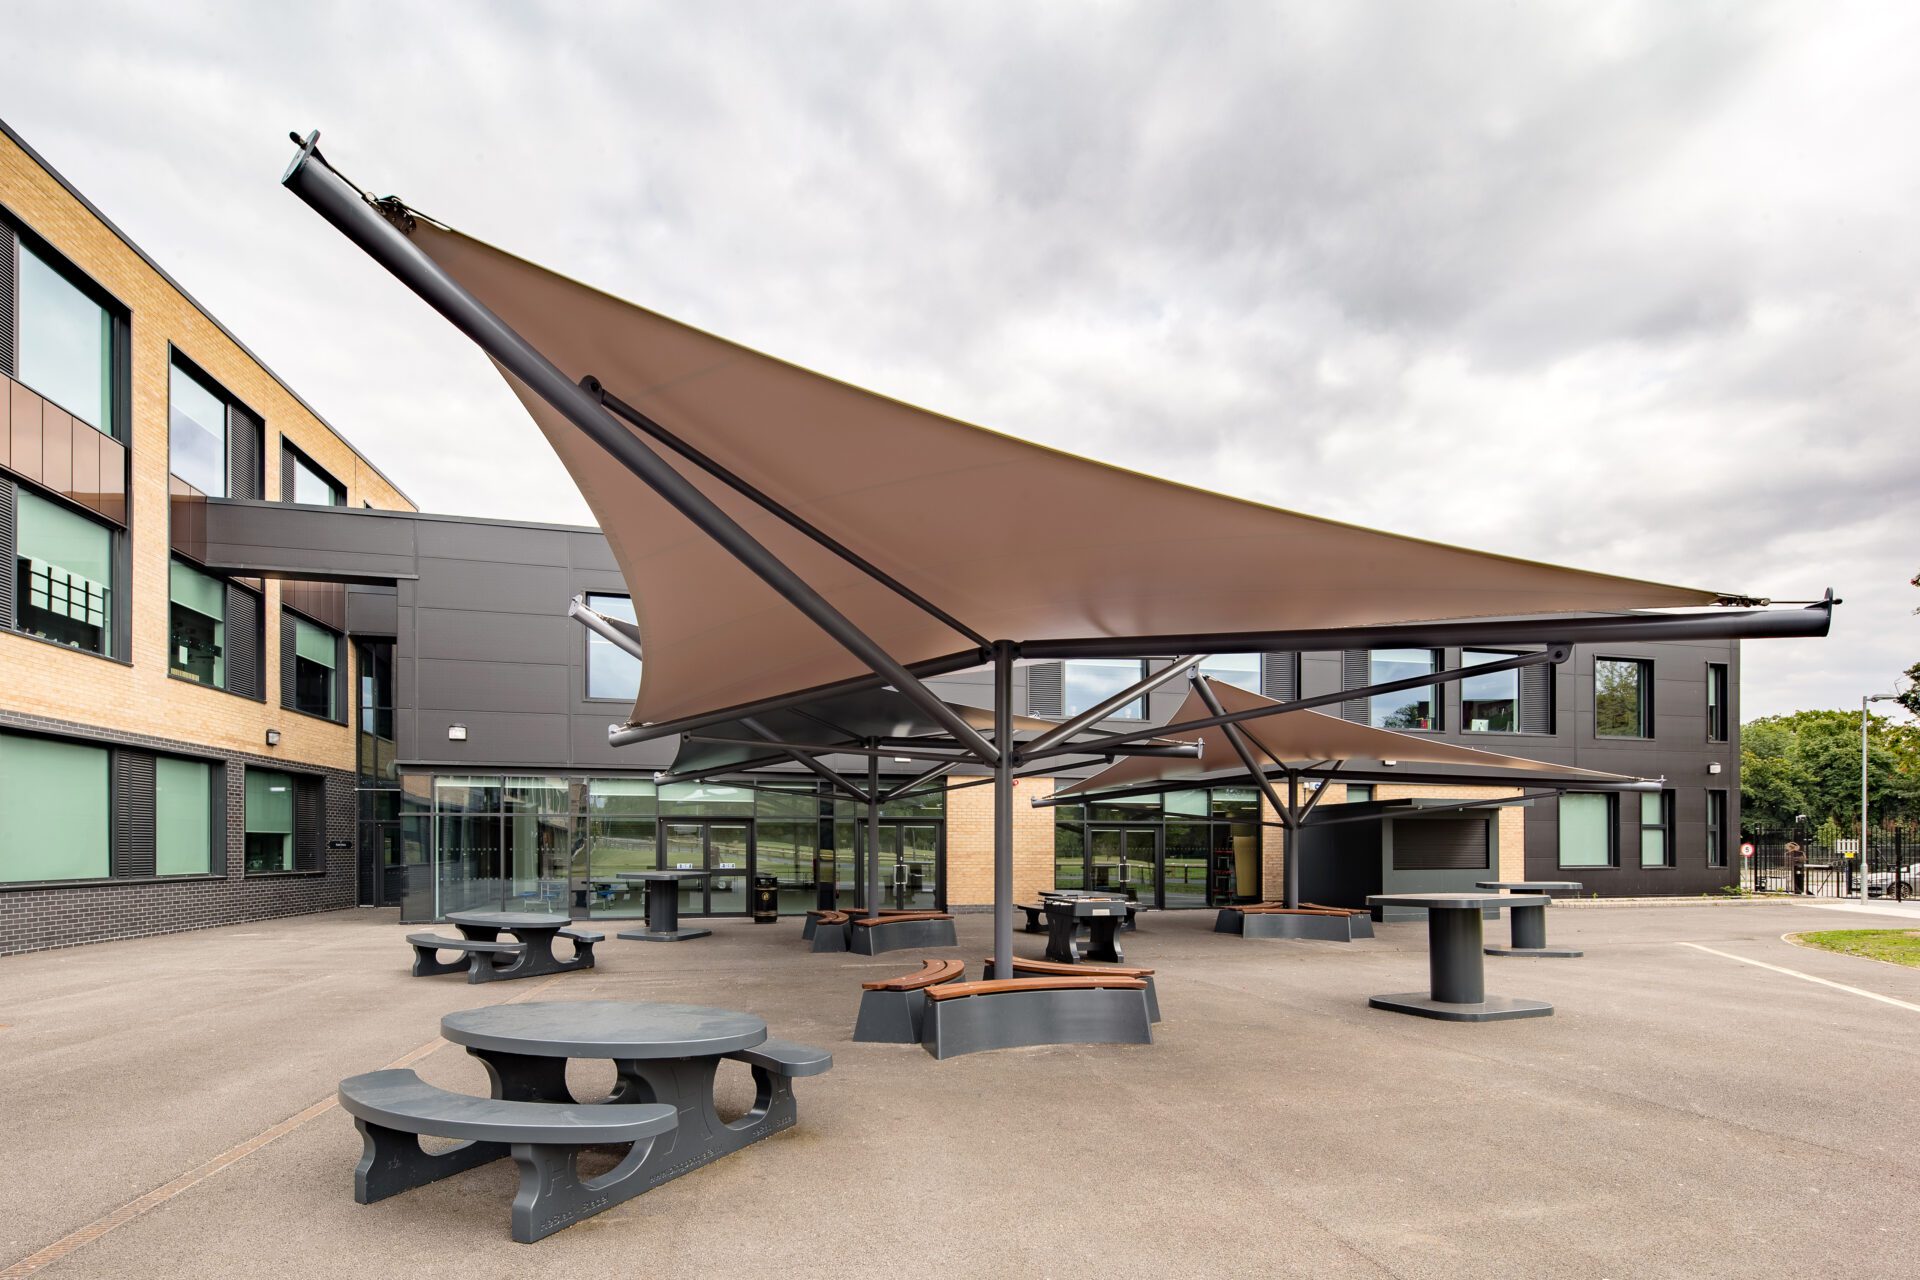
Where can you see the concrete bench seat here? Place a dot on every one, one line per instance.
(893, 1010)
(479, 959)
(393, 1108)
(785, 1058)
(874, 935)
(1022, 966)
(1087, 1008)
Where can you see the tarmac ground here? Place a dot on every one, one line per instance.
(1706, 1100)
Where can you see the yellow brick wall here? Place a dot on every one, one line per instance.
(970, 843)
(43, 679)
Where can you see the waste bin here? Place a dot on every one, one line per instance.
(766, 899)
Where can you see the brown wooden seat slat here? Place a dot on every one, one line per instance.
(959, 990)
(870, 921)
(932, 972)
(1265, 909)
(832, 917)
(1023, 965)
(1339, 911)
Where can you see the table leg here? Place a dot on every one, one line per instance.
(1061, 928)
(1530, 931)
(1457, 985)
(686, 1084)
(478, 932)
(663, 915)
(1102, 944)
(521, 1077)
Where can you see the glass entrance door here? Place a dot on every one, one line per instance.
(912, 874)
(1125, 860)
(723, 848)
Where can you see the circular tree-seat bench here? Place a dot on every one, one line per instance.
(892, 1010)
(393, 1108)
(829, 930)
(1087, 1008)
(1022, 966)
(482, 959)
(870, 935)
(1274, 920)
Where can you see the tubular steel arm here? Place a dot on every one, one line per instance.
(1093, 715)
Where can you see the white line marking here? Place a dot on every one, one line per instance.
(1804, 977)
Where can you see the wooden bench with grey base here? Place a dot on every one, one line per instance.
(893, 1009)
(1275, 920)
(871, 935)
(1088, 1008)
(829, 931)
(482, 960)
(392, 1109)
(1023, 967)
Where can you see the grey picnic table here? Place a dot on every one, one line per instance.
(1530, 918)
(1101, 916)
(535, 929)
(663, 905)
(1457, 989)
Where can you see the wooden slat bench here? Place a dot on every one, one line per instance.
(1087, 1008)
(829, 931)
(892, 1009)
(1276, 920)
(1022, 966)
(871, 935)
(480, 959)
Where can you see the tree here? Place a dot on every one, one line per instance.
(1809, 762)
(1911, 698)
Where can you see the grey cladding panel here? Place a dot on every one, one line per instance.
(1356, 669)
(495, 737)
(133, 813)
(493, 686)
(497, 588)
(591, 750)
(496, 637)
(489, 543)
(373, 611)
(1280, 676)
(590, 551)
(1046, 689)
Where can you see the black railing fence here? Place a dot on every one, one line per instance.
(1819, 863)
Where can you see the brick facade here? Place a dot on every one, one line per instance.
(970, 844)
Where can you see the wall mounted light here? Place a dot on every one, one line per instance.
(1389, 763)
(273, 737)
(1713, 767)
(456, 733)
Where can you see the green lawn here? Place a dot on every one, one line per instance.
(1899, 946)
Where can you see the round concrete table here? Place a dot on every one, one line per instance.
(1458, 984)
(663, 906)
(535, 929)
(1530, 918)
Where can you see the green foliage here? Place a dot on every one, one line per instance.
(1809, 762)
(1896, 946)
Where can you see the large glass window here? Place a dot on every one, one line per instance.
(311, 485)
(196, 433)
(1716, 828)
(182, 817)
(1622, 698)
(612, 672)
(53, 810)
(65, 343)
(316, 654)
(1489, 703)
(197, 626)
(1586, 830)
(1091, 681)
(1656, 829)
(269, 819)
(63, 577)
(1416, 708)
(1716, 702)
(1242, 669)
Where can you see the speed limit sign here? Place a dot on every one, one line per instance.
(1746, 850)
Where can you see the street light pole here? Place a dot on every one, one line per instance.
(1865, 698)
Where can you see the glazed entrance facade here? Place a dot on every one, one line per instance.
(1199, 848)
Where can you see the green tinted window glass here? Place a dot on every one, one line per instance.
(1193, 803)
(65, 343)
(196, 639)
(1238, 803)
(64, 575)
(269, 821)
(315, 644)
(1583, 831)
(706, 799)
(799, 801)
(632, 796)
(183, 817)
(53, 810)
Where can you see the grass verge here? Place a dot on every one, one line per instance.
(1895, 946)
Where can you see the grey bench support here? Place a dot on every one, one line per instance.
(893, 1011)
(393, 1108)
(1030, 1011)
(829, 931)
(477, 956)
(1317, 925)
(898, 934)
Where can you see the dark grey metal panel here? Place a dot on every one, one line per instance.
(494, 737)
(1536, 699)
(1046, 689)
(133, 812)
(245, 447)
(1280, 676)
(373, 611)
(287, 683)
(494, 587)
(491, 543)
(1441, 844)
(270, 539)
(591, 750)
(591, 551)
(8, 572)
(1356, 667)
(246, 667)
(494, 637)
(494, 686)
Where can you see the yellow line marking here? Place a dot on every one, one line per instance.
(200, 1173)
(1791, 973)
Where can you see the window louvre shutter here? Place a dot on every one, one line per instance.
(288, 645)
(1356, 670)
(286, 473)
(244, 474)
(1536, 699)
(245, 672)
(9, 305)
(133, 806)
(1441, 844)
(8, 571)
(1280, 676)
(309, 824)
(1046, 689)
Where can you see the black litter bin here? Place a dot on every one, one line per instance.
(766, 899)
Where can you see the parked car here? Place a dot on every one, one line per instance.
(1881, 884)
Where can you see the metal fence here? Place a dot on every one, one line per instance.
(1820, 864)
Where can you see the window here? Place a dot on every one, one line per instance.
(53, 810)
(1716, 828)
(182, 817)
(1359, 793)
(316, 652)
(1622, 698)
(196, 434)
(197, 627)
(1241, 669)
(1417, 708)
(612, 672)
(1091, 681)
(1489, 703)
(269, 817)
(1656, 829)
(63, 576)
(1716, 702)
(1586, 830)
(304, 482)
(65, 342)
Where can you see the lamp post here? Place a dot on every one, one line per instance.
(1865, 698)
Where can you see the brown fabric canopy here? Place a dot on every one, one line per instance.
(1299, 738)
(1016, 540)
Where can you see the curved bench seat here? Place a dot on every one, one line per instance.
(829, 931)
(1053, 968)
(478, 958)
(873, 935)
(967, 1017)
(893, 1010)
(1271, 920)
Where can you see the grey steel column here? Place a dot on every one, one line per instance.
(1290, 894)
(1456, 972)
(1003, 810)
(873, 835)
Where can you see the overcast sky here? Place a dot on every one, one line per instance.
(1626, 286)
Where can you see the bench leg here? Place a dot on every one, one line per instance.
(890, 1017)
(582, 957)
(686, 1084)
(554, 1196)
(482, 967)
(391, 1162)
(427, 963)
